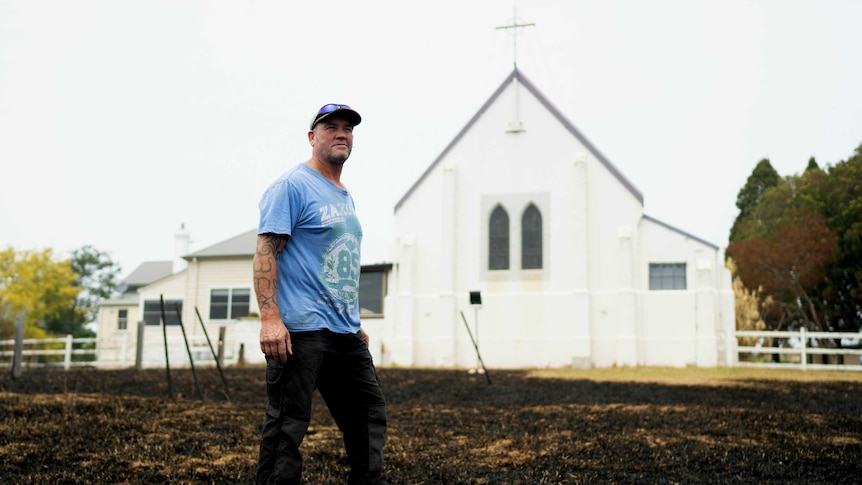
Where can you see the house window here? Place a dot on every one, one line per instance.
(229, 303)
(498, 239)
(153, 312)
(372, 290)
(531, 238)
(122, 319)
(667, 276)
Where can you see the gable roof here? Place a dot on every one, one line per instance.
(241, 245)
(517, 76)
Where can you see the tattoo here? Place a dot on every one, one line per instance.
(269, 247)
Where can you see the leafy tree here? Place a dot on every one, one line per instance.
(762, 178)
(839, 194)
(36, 285)
(801, 240)
(97, 277)
(785, 246)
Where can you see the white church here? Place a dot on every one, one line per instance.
(543, 256)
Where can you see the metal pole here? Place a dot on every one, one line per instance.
(476, 347)
(165, 335)
(218, 364)
(189, 350)
(476, 326)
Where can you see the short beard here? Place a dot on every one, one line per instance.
(336, 159)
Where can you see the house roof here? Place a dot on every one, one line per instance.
(126, 299)
(147, 272)
(517, 76)
(241, 245)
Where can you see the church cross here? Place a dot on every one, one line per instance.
(516, 125)
(514, 26)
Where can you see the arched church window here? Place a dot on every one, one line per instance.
(498, 239)
(531, 238)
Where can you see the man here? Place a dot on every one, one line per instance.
(306, 277)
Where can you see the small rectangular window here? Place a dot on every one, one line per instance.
(219, 304)
(239, 302)
(667, 276)
(371, 293)
(229, 303)
(153, 312)
(122, 319)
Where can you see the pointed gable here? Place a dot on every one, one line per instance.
(517, 76)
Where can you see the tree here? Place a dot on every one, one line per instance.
(97, 278)
(762, 178)
(788, 257)
(839, 193)
(36, 285)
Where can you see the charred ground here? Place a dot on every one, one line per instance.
(446, 427)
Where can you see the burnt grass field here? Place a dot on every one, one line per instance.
(445, 427)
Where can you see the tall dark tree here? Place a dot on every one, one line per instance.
(762, 178)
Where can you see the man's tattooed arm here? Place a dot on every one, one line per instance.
(274, 337)
(269, 247)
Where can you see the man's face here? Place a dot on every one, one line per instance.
(332, 140)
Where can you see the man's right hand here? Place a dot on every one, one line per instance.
(275, 339)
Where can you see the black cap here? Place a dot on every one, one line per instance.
(331, 109)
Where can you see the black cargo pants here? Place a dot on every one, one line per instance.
(340, 366)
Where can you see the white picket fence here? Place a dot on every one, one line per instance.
(33, 349)
(801, 349)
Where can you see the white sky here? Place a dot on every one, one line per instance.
(121, 120)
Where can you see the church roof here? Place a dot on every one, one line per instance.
(516, 75)
(680, 231)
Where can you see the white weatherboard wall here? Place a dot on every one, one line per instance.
(590, 303)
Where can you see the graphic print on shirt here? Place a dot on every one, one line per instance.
(341, 268)
(341, 258)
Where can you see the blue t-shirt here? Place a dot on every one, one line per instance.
(318, 270)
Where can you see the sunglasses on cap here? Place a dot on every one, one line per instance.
(328, 110)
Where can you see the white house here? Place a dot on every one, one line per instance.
(524, 213)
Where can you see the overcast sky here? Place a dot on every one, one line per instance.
(121, 120)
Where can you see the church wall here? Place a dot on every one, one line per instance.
(669, 333)
(534, 310)
(690, 319)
